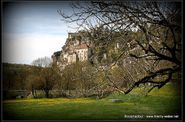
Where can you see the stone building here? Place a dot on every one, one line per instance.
(76, 48)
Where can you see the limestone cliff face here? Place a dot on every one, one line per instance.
(76, 48)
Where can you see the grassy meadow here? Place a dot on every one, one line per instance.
(166, 101)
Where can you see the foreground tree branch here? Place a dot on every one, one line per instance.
(148, 31)
(148, 79)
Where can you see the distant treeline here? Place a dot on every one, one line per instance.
(76, 80)
(14, 76)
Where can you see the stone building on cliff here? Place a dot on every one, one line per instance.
(76, 48)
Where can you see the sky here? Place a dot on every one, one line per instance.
(32, 30)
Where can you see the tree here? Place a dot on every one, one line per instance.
(78, 77)
(32, 84)
(15, 80)
(14, 76)
(49, 78)
(46, 75)
(42, 62)
(153, 30)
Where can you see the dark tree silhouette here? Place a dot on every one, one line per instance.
(148, 31)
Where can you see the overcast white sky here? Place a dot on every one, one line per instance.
(32, 30)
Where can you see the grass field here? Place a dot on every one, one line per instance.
(165, 101)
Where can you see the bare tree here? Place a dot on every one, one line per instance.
(32, 84)
(42, 62)
(148, 31)
(46, 75)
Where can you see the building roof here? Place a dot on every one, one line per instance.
(82, 46)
